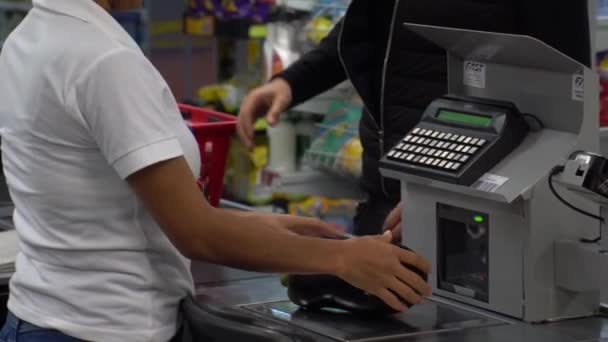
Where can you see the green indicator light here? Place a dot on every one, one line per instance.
(478, 218)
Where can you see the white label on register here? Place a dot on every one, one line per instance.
(578, 87)
(490, 182)
(474, 74)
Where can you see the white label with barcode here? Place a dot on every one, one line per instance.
(490, 183)
(474, 74)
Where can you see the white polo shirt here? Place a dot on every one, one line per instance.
(81, 109)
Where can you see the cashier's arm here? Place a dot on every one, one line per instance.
(265, 242)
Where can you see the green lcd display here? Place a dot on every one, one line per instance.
(464, 118)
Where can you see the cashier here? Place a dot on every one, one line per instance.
(101, 168)
(397, 74)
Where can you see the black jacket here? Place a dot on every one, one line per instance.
(415, 68)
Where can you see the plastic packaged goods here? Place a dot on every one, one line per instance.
(336, 146)
(282, 145)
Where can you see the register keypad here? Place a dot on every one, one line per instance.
(435, 149)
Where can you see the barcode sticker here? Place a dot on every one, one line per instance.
(474, 74)
(578, 87)
(490, 183)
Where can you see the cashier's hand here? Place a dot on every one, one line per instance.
(393, 223)
(269, 100)
(375, 265)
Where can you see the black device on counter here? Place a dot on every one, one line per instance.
(458, 139)
(318, 292)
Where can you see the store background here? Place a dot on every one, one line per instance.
(310, 163)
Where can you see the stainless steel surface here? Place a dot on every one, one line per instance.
(429, 318)
(269, 290)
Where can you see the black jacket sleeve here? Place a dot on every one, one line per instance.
(562, 24)
(317, 71)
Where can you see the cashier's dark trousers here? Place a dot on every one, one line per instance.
(17, 330)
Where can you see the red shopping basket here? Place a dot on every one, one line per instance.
(213, 131)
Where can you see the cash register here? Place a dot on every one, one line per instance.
(511, 261)
(459, 139)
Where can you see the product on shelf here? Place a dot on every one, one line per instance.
(245, 171)
(324, 17)
(282, 138)
(337, 211)
(336, 147)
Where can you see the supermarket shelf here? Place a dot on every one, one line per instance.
(6, 5)
(318, 183)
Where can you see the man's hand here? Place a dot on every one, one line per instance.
(269, 100)
(393, 223)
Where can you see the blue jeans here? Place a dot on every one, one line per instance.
(17, 330)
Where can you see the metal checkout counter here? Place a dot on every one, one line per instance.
(512, 261)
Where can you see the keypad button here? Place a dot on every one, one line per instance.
(411, 157)
(404, 156)
(408, 138)
(444, 154)
(416, 130)
(392, 153)
(459, 148)
(474, 141)
(481, 142)
(433, 143)
(422, 131)
(417, 140)
(405, 147)
(466, 149)
(425, 151)
(449, 165)
(438, 153)
(453, 147)
(456, 166)
(441, 135)
(461, 138)
(418, 149)
(442, 163)
(451, 155)
(468, 140)
(427, 142)
(448, 136)
(412, 148)
(442, 144)
(398, 155)
(454, 137)
(430, 161)
(417, 158)
(473, 150)
(435, 134)
(428, 133)
(432, 152)
(436, 162)
(464, 159)
(400, 146)
(423, 160)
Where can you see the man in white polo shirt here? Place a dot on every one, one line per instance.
(101, 169)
